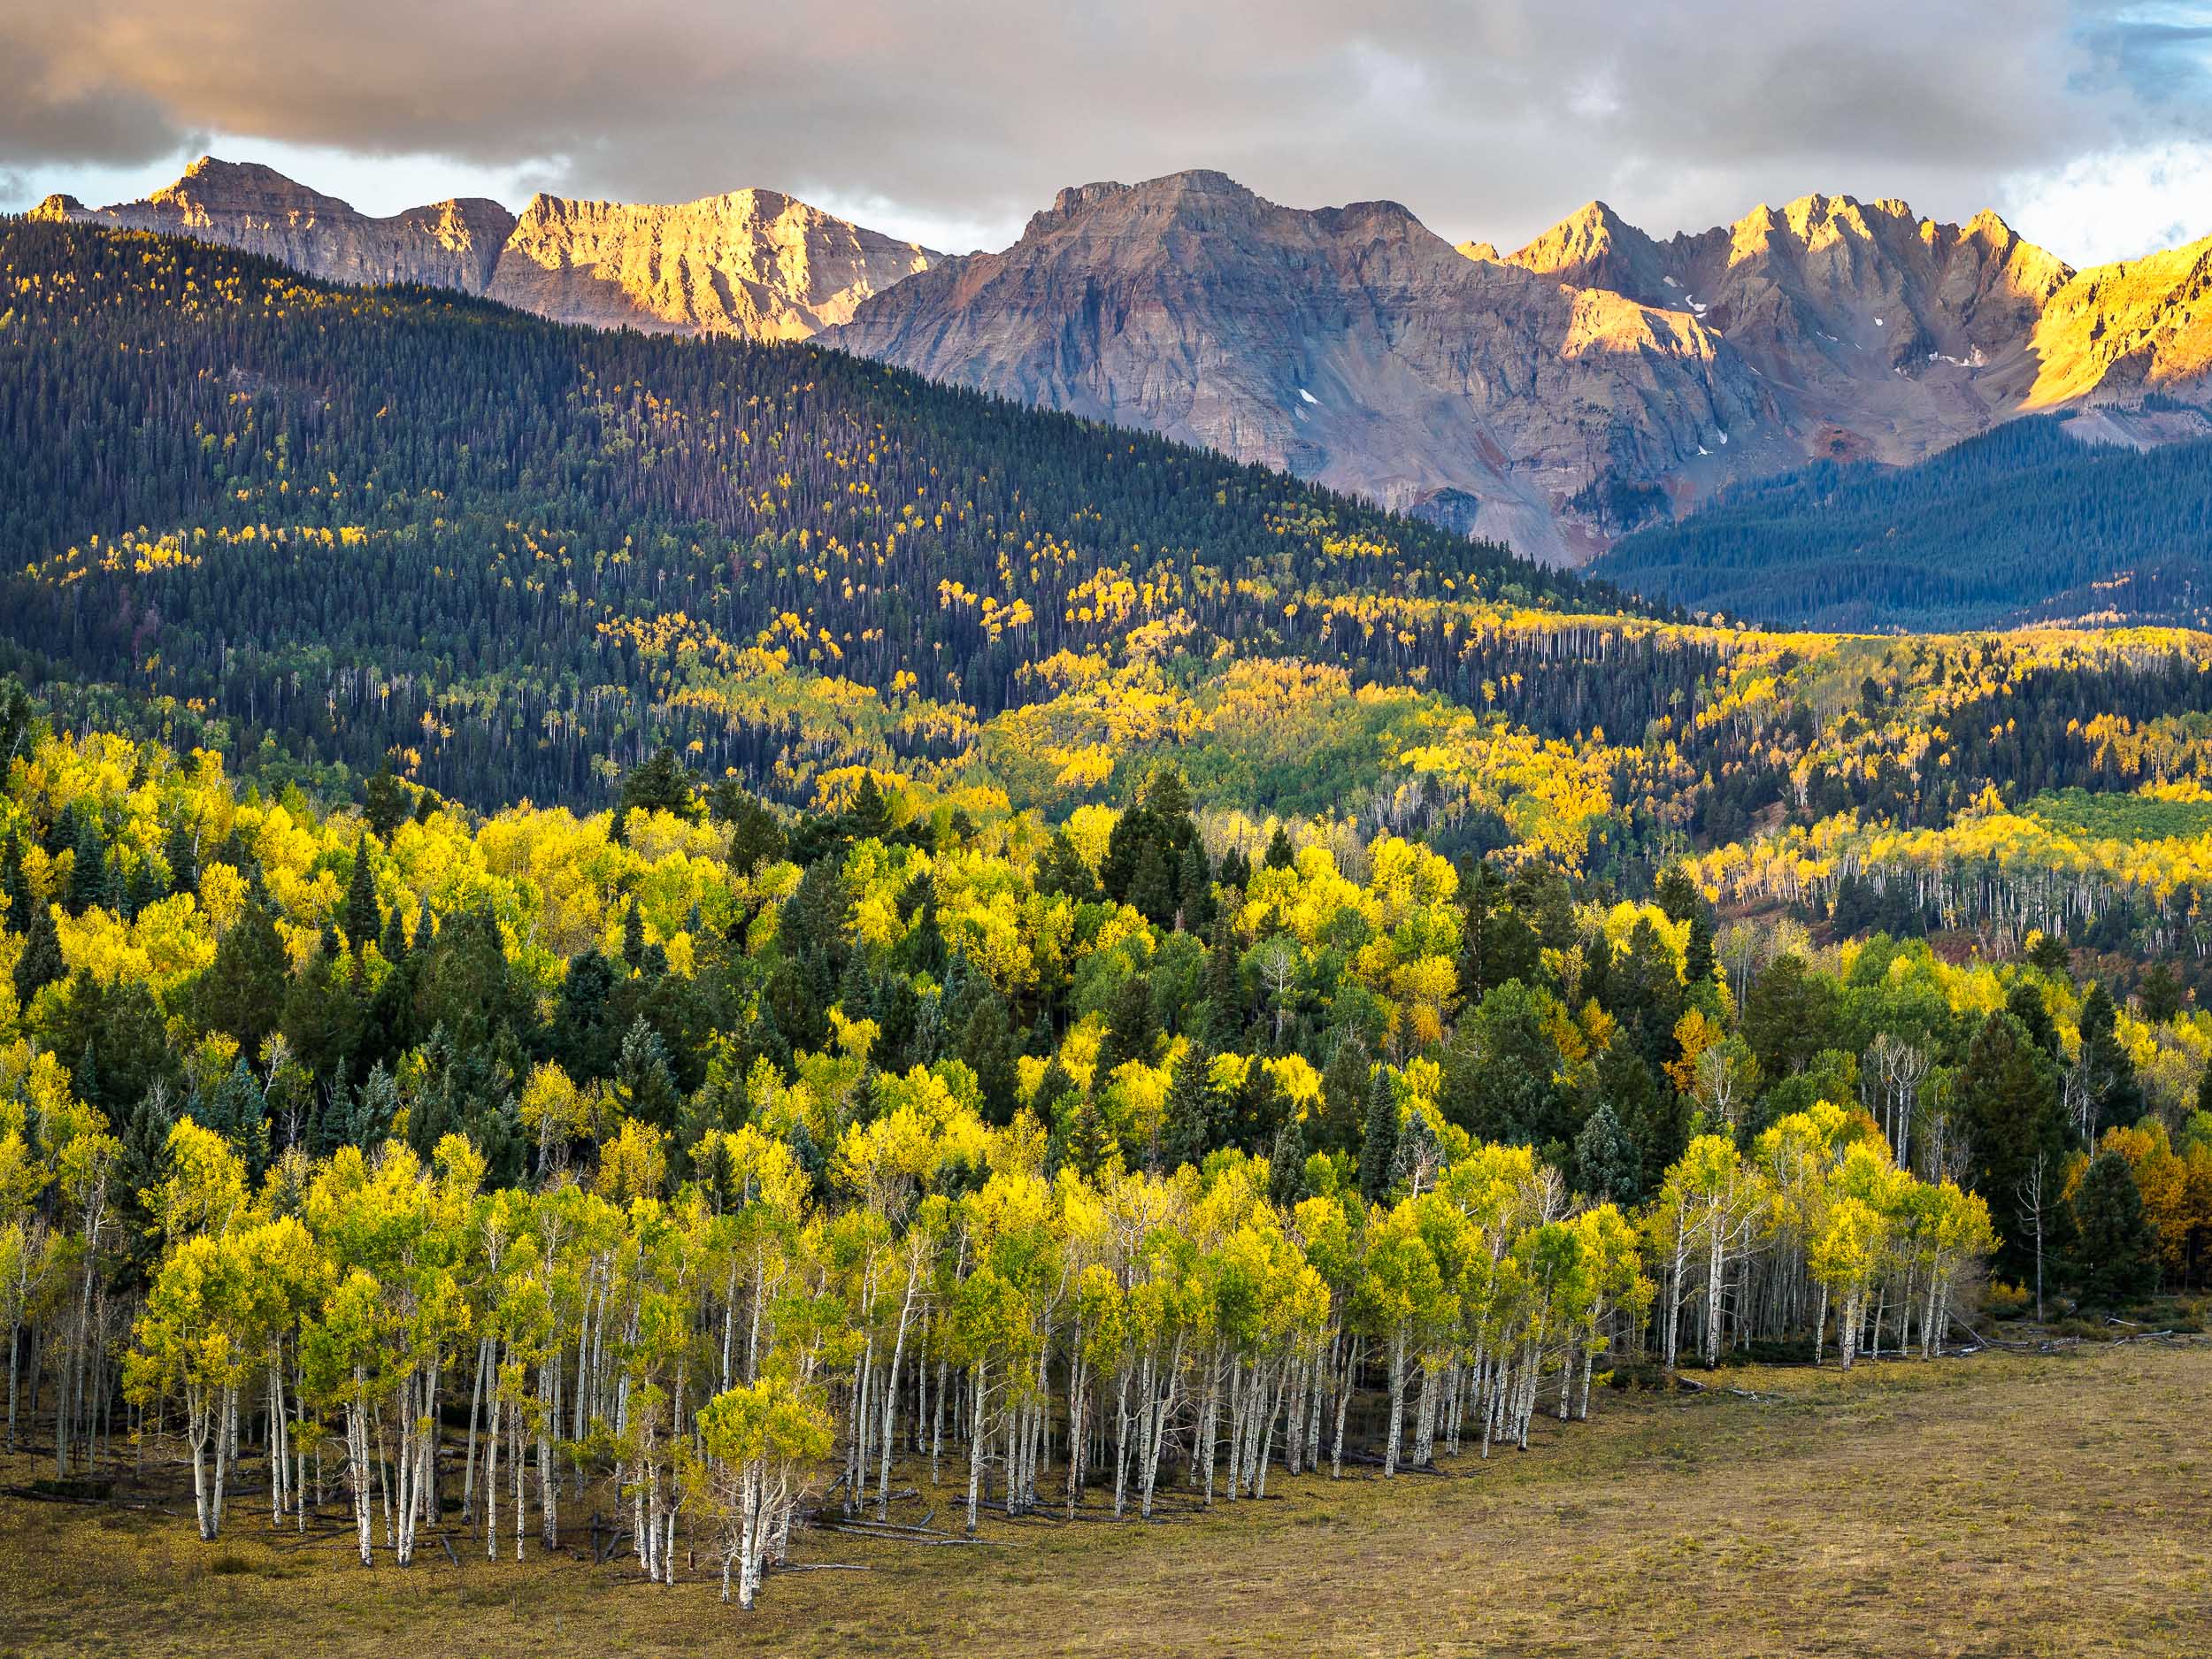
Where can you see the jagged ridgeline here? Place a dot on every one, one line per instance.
(316, 526)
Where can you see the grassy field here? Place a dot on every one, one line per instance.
(1999, 1505)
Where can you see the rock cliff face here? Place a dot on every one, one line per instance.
(1884, 335)
(753, 263)
(2118, 331)
(1350, 345)
(446, 244)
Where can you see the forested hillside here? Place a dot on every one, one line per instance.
(341, 521)
(2027, 523)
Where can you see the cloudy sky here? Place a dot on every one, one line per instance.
(2087, 122)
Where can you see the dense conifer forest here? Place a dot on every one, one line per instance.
(711, 937)
(2027, 523)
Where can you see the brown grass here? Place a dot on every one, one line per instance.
(2000, 1506)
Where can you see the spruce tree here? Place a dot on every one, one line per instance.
(359, 916)
(15, 887)
(385, 804)
(1152, 885)
(1193, 889)
(1286, 1166)
(2116, 1248)
(1188, 1118)
(1061, 869)
(89, 869)
(1343, 1098)
(1133, 1029)
(987, 1046)
(1607, 1167)
(40, 963)
(643, 1082)
(1379, 1146)
(1089, 1144)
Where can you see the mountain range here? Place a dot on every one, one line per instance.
(1557, 398)
(753, 263)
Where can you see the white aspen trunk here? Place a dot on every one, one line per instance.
(1121, 1441)
(196, 1432)
(491, 1478)
(468, 1465)
(891, 1404)
(749, 1548)
(1715, 1273)
(975, 1445)
(357, 1465)
(1343, 1400)
(1397, 1401)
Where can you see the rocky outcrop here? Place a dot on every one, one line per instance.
(2117, 332)
(1883, 334)
(1349, 345)
(446, 244)
(753, 263)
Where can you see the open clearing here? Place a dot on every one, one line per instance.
(1999, 1506)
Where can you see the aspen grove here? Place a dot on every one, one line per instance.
(696, 1172)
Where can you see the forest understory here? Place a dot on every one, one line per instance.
(2002, 1504)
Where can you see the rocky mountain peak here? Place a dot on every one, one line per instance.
(754, 263)
(1348, 344)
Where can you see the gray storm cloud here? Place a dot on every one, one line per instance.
(1488, 119)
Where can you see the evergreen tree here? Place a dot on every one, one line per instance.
(1088, 1142)
(1193, 888)
(89, 869)
(1419, 1156)
(375, 1110)
(2116, 1247)
(1280, 855)
(1607, 1166)
(2026, 1003)
(870, 815)
(359, 916)
(643, 1080)
(1188, 1127)
(1061, 869)
(40, 963)
(385, 804)
(2161, 993)
(1132, 1028)
(756, 836)
(241, 992)
(1286, 1166)
(1379, 1146)
(1236, 870)
(1343, 1098)
(1151, 891)
(987, 1046)
(661, 785)
(2049, 955)
(15, 887)
(2008, 1096)
(2115, 1095)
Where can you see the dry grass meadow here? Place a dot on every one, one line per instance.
(2002, 1505)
